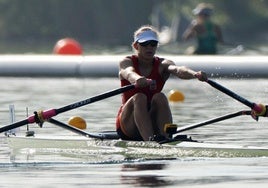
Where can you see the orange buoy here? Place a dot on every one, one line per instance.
(175, 96)
(67, 46)
(77, 122)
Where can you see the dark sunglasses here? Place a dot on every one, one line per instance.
(153, 43)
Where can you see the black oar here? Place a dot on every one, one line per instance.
(214, 120)
(259, 108)
(83, 133)
(39, 117)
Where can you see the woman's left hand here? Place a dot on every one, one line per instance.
(202, 76)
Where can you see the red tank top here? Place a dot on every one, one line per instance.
(156, 87)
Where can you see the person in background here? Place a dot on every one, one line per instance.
(207, 33)
(145, 110)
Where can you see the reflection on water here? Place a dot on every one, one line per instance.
(144, 174)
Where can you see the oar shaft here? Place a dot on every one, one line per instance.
(31, 119)
(246, 102)
(94, 99)
(214, 120)
(83, 133)
(14, 125)
(70, 128)
(45, 115)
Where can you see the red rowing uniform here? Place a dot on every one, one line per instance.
(149, 91)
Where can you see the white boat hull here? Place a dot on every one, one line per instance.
(131, 149)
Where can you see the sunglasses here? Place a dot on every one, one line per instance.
(153, 43)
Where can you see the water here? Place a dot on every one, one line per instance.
(57, 169)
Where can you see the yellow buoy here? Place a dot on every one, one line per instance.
(77, 122)
(175, 96)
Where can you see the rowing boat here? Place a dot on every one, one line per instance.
(180, 147)
(91, 143)
(109, 143)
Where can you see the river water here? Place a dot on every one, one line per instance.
(202, 102)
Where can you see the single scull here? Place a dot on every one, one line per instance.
(109, 141)
(181, 147)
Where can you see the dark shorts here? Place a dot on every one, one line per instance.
(123, 136)
(120, 130)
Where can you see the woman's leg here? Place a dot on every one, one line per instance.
(160, 113)
(135, 118)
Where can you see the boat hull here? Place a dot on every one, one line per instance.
(132, 149)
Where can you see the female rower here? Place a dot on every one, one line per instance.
(207, 33)
(145, 110)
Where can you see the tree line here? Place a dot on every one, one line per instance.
(112, 22)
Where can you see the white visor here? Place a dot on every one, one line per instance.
(146, 36)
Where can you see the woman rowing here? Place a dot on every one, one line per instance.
(207, 33)
(145, 110)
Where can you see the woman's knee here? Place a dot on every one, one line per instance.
(140, 98)
(160, 99)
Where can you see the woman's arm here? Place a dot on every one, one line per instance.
(127, 71)
(184, 72)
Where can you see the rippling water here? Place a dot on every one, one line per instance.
(202, 102)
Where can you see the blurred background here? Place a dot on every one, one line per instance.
(102, 26)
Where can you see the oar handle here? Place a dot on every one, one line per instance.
(246, 102)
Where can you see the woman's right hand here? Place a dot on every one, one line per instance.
(143, 82)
